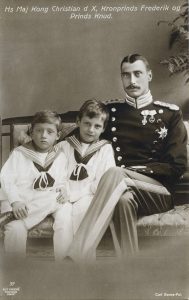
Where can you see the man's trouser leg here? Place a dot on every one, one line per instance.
(147, 197)
(98, 216)
(125, 220)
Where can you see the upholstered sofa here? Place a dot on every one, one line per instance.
(174, 223)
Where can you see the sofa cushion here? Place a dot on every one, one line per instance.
(172, 223)
(43, 229)
(181, 195)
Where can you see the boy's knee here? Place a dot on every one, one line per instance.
(62, 218)
(16, 226)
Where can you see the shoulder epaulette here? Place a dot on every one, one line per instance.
(113, 101)
(168, 105)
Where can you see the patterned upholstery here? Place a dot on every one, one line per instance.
(182, 190)
(44, 229)
(172, 223)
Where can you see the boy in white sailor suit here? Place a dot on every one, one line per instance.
(88, 159)
(149, 139)
(31, 179)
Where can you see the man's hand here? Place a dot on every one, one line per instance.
(20, 210)
(63, 196)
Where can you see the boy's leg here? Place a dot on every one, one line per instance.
(79, 210)
(15, 238)
(63, 230)
(43, 204)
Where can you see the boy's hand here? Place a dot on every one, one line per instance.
(63, 196)
(20, 210)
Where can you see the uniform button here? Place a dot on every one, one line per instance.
(113, 129)
(154, 142)
(160, 111)
(113, 109)
(122, 166)
(119, 158)
(153, 151)
(113, 119)
(151, 171)
(150, 158)
(118, 149)
(114, 139)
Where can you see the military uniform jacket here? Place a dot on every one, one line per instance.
(153, 136)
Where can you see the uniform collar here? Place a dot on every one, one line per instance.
(141, 101)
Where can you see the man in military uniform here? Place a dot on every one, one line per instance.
(149, 140)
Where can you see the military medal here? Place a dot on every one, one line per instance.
(152, 113)
(144, 113)
(162, 133)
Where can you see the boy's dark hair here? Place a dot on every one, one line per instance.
(47, 116)
(93, 108)
(131, 58)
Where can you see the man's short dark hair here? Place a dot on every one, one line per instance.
(131, 58)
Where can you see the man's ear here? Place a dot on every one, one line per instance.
(149, 75)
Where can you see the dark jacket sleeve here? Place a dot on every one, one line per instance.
(173, 161)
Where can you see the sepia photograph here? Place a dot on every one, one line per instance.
(94, 149)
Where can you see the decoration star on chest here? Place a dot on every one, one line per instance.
(162, 132)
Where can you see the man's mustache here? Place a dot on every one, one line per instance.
(131, 86)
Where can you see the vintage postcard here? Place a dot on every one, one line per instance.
(55, 55)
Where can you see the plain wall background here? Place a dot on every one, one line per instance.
(50, 61)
